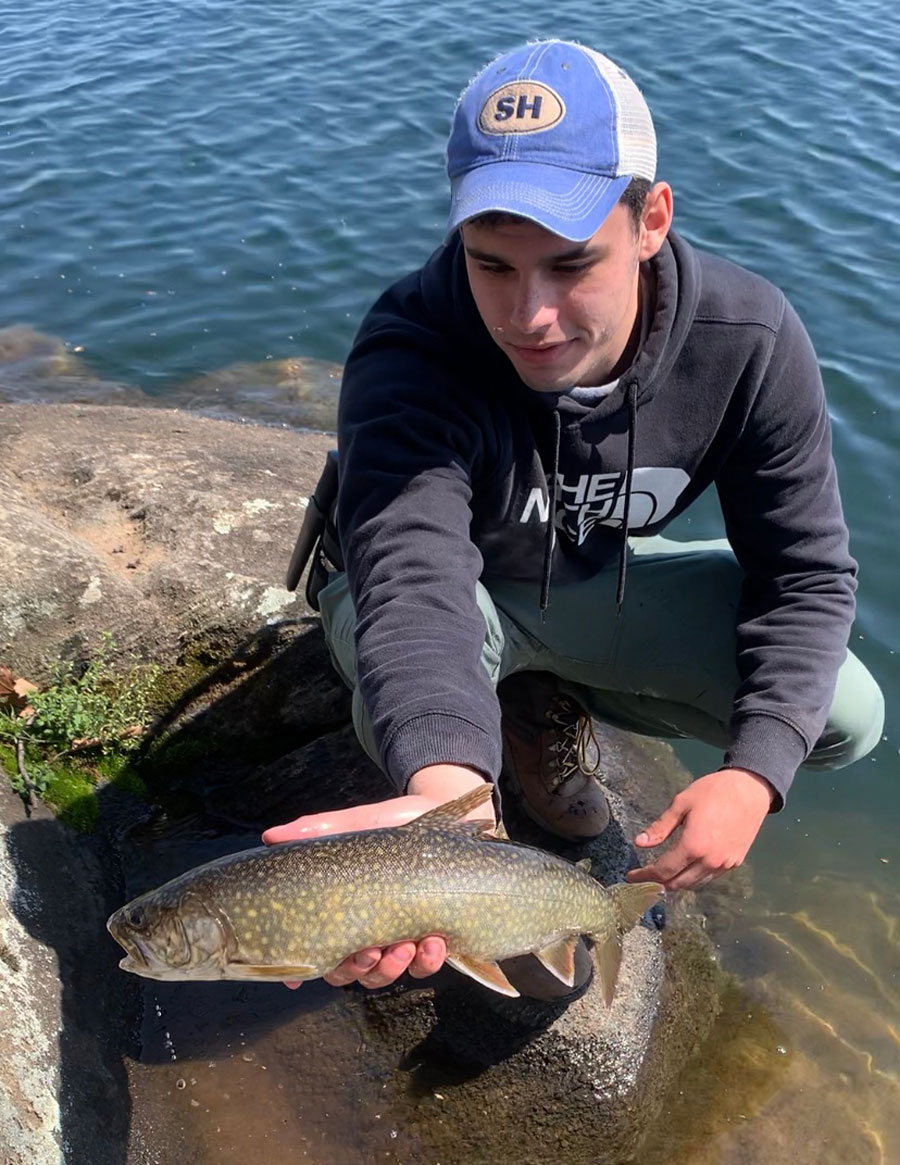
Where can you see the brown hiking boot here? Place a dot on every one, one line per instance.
(551, 757)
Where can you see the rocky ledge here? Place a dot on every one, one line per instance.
(172, 532)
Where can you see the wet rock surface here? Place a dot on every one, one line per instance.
(440, 1071)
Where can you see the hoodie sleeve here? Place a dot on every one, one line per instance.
(410, 448)
(783, 517)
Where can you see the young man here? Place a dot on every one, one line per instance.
(519, 420)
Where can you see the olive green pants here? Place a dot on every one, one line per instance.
(666, 666)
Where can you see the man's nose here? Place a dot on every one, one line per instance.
(533, 309)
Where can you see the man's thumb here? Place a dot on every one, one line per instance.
(657, 832)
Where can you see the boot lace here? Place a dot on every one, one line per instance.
(576, 748)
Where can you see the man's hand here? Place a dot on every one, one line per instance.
(428, 788)
(720, 815)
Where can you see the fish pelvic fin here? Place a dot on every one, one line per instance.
(251, 971)
(486, 973)
(559, 959)
(452, 812)
(609, 960)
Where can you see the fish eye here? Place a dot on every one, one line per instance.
(136, 917)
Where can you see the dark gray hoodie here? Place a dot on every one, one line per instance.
(452, 470)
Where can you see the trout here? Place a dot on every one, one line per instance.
(296, 910)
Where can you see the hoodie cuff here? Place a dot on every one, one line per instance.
(439, 738)
(770, 747)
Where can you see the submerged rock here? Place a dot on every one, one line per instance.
(298, 392)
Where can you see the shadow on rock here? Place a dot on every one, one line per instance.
(261, 737)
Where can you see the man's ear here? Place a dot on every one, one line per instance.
(656, 220)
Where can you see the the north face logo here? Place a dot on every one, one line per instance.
(521, 107)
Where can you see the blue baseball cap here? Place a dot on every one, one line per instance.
(552, 131)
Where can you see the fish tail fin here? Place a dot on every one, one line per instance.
(629, 903)
(631, 900)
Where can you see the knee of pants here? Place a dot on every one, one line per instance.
(338, 626)
(855, 725)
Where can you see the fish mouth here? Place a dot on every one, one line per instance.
(138, 956)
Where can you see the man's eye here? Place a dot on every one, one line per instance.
(568, 269)
(493, 268)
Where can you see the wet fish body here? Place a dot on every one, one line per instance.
(294, 911)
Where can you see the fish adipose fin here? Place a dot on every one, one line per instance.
(629, 903)
(452, 811)
(559, 959)
(483, 972)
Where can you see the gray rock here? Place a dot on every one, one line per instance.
(173, 532)
(159, 527)
(65, 1007)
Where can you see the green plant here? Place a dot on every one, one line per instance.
(60, 743)
(100, 709)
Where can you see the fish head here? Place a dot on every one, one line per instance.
(172, 936)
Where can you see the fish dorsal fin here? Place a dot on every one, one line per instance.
(488, 974)
(559, 959)
(451, 812)
(584, 864)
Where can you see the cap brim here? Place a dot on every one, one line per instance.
(568, 203)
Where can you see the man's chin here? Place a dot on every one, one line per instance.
(555, 384)
(551, 379)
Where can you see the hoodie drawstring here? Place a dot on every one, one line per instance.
(551, 519)
(631, 394)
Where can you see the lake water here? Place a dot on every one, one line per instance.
(196, 185)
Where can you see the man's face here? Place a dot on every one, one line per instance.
(562, 312)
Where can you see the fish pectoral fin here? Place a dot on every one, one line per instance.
(584, 864)
(609, 959)
(486, 973)
(254, 971)
(559, 959)
(451, 812)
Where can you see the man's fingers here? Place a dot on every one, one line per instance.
(319, 824)
(393, 963)
(430, 955)
(353, 968)
(695, 875)
(666, 867)
(376, 968)
(377, 815)
(657, 832)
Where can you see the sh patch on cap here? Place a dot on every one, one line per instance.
(521, 107)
